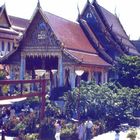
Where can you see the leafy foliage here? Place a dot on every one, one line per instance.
(128, 69)
(108, 102)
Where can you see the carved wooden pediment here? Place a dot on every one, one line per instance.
(39, 33)
(4, 20)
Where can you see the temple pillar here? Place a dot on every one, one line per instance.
(55, 80)
(104, 77)
(60, 71)
(72, 77)
(22, 67)
(11, 72)
(12, 77)
(90, 75)
(96, 77)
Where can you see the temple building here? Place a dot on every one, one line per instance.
(137, 44)
(59, 46)
(105, 32)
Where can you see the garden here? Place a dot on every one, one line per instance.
(108, 105)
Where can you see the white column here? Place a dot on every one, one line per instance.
(72, 77)
(22, 67)
(60, 71)
(106, 76)
(102, 77)
(90, 75)
(12, 77)
(96, 77)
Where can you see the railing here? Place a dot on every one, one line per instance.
(13, 89)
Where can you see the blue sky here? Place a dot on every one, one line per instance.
(127, 10)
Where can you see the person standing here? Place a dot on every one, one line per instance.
(12, 112)
(81, 131)
(117, 134)
(89, 125)
(57, 129)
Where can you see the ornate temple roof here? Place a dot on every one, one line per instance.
(117, 30)
(70, 33)
(105, 32)
(4, 12)
(75, 40)
(88, 58)
(6, 30)
(137, 44)
(19, 24)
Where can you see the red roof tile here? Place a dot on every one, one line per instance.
(114, 22)
(118, 29)
(70, 33)
(88, 58)
(20, 22)
(73, 37)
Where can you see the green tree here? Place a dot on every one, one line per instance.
(108, 102)
(128, 69)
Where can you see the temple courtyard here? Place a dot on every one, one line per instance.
(106, 136)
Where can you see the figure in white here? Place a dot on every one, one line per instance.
(117, 134)
(57, 129)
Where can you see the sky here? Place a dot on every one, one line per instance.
(127, 10)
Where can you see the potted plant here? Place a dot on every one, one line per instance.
(31, 136)
(68, 132)
(132, 134)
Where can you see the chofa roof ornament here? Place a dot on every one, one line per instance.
(38, 4)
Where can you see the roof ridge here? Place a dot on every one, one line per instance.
(82, 51)
(19, 17)
(75, 22)
(112, 33)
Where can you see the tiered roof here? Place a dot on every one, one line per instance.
(96, 40)
(6, 30)
(74, 40)
(19, 24)
(116, 28)
(105, 32)
(69, 33)
(137, 44)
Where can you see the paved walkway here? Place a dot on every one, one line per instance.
(105, 136)
(111, 136)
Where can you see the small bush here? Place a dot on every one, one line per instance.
(132, 134)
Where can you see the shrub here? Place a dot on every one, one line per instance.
(132, 134)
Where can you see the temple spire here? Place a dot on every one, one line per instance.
(78, 11)
(38, 4)
(88, 1)
(94, 1)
